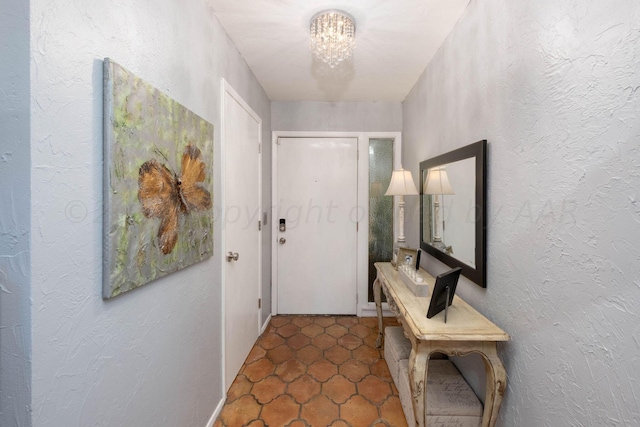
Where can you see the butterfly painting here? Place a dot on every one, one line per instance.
(166, 196)
(158, 207)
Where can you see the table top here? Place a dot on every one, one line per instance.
(464, 323)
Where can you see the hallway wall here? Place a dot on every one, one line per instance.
(15, 210)
(554, 88)
(152, 356)
(336, 116)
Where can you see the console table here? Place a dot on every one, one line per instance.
(466, 331)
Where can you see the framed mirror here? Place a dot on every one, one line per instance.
(453, 209)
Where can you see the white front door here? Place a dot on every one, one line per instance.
(241, 288)
(317, 201)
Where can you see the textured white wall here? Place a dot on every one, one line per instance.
(15, 161)
(336, 116)
(151, 356)
(554, 87)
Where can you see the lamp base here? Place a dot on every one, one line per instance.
(442, 247)
(438, 244)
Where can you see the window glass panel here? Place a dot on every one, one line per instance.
(380, 206)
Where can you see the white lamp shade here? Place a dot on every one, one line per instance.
(438, 182)
(401, 184)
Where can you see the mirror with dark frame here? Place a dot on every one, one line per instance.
(453, 209)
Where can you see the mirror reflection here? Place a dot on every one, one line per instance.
(450, 205)
(452, 211)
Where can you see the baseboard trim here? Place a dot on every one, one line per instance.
(214, 417)
(265, 324)
(369, 310)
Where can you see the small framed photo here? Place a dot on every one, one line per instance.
(443, 292)
(406, 256)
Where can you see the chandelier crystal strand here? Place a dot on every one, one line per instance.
(332, 36)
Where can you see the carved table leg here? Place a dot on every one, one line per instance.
(496, 383)
(378, 299)
(418, 370)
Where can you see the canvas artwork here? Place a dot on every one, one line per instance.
(158, 158)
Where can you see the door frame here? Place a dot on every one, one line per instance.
(363, 307)
(228, 91)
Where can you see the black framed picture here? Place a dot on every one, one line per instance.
(445, 281)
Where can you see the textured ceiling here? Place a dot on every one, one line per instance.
(395, 40)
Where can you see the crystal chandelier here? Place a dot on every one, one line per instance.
(332, 36)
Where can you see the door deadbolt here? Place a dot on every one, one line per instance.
(282, 240)
(232, 256)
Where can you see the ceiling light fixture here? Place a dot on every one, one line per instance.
(333, 35)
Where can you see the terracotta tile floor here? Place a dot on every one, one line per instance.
(315, 371)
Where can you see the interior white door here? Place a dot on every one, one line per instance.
(241, 233)
(318, 201)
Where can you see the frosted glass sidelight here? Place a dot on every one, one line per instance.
(380, 206)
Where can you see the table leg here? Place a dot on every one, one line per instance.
(418, 370)
(377, 297)
(496, 383)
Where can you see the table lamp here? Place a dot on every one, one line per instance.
(401, 185)
(437, 184)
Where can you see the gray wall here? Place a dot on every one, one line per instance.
(15, 163)
(151, 356)
(554, 87)
(336, 116)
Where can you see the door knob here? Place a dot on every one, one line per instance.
(282, 240)
(232, 256)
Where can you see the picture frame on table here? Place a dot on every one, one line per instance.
(443, 292)
(406, 256)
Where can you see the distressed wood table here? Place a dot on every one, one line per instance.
(466, 331)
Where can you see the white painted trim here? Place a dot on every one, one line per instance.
(362, 258)
(227, 90)
(274, 225)
(363, 189)
(369, 310)
(223, 87)
(216, 412)
(265, 324)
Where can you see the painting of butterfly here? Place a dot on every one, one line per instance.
(166, 196)
(158, 208)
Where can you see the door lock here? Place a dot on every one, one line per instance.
(232, 256)
(282, 240)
